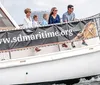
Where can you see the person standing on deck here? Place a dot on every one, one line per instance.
(70, 16)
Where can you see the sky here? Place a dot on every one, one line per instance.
(82, 8)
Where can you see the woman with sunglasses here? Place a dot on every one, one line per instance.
(54, 17)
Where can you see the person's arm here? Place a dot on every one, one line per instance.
(43, 23)
(74, 17)
(50, 20)
(64, 18)
(34, 24)
(59, 20)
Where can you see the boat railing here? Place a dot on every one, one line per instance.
(53, 47)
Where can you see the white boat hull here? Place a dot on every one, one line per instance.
(53, 70)
(72, 64)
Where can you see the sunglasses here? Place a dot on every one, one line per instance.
(55, 10)
(72, 7)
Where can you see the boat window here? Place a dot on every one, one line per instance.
(4, 20)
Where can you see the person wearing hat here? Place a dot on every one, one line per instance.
(70, 16)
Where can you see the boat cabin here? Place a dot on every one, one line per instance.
(6, 21)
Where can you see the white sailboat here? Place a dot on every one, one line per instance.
(21, 67)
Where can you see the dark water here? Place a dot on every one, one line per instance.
(88, 83)
(83, 81)
(91, 83)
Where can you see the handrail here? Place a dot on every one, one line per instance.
(88, 18)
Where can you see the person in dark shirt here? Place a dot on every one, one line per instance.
(54, 17)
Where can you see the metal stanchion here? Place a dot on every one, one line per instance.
(9, 54)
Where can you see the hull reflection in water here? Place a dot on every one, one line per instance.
(82, 81)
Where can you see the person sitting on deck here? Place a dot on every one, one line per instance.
(45, 20)
(35, 21)
(28, 23)
(70, 16)
(54, 18)
(27, 19)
